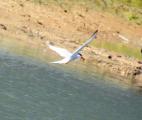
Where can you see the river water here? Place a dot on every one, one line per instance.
(31, 89)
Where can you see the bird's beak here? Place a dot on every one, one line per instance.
(82, 58)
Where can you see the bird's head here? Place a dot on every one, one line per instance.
(81, 56)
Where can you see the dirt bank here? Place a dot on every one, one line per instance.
(34, 24)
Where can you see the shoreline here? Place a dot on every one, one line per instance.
(70, 29)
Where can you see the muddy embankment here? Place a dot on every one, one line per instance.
(35, 24)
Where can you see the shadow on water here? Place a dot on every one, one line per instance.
(32, 89)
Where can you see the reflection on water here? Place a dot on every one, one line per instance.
(34, 90)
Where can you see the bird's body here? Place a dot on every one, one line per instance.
(68, 56)
(65, 54)
(67, 59)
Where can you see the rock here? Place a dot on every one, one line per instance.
(140, 62)
(138, 81)
(26, 15)
(109, 57)
(80, 15)
(136, 72)
(65, 11)
(2, 26)
(22, 5)
(24, 29)
(40, 23)
(119, 56)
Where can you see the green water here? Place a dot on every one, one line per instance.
(35, 90)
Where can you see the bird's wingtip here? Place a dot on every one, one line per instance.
(96, 31)
(94, 34)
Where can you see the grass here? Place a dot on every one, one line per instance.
(121, 48)
(104, 3)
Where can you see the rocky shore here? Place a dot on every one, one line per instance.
(35, 24)
(128, 70)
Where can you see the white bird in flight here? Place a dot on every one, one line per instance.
(68, 56)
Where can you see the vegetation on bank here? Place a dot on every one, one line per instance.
(120, 48)
(128, 9)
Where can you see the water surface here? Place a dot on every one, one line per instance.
(35, 90)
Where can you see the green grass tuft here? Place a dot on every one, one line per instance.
(121, 48)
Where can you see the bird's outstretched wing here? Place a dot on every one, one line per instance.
(61, 51)
(63, 61)
(86, 43)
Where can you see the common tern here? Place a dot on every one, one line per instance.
(68, 56)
